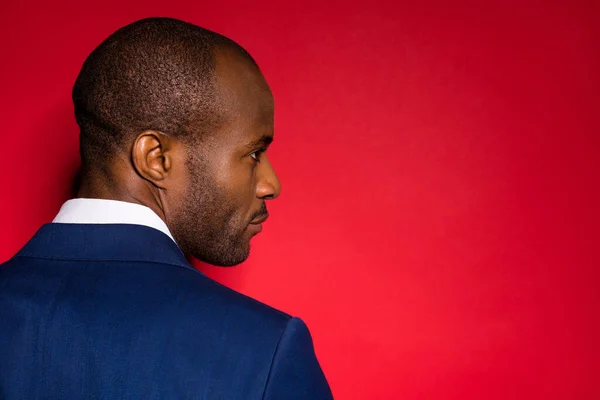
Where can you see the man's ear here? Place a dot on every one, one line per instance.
(152, 157)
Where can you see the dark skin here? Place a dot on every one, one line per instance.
(211, 193)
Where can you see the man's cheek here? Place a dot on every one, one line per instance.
(237, 182)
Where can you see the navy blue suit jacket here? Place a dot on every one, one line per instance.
(117, 312)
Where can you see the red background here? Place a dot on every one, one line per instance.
(438, 224)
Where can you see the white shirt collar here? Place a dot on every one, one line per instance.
(100, 211)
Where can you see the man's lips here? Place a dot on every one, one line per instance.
(259, 220)
(256, 224)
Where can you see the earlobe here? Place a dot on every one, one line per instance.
(151, 158)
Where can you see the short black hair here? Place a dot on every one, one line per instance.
(155, 74)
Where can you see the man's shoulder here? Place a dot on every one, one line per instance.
(142, 290)
(151, 321)
(200, 291)
(169, 321)
(231, 332)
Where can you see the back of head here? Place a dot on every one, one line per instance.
(152, 74)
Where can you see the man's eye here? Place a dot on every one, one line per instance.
(256, 154)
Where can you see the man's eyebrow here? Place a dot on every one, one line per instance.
(264, 140)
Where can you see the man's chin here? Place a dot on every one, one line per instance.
(227, 258)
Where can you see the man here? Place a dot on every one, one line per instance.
(175, 121)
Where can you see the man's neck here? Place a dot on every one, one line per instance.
(128, 189)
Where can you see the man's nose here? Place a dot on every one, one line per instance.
(268, 186)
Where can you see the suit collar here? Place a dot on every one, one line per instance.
(102, 211)
(104, 242)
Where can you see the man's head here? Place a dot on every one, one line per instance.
(178, 118)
